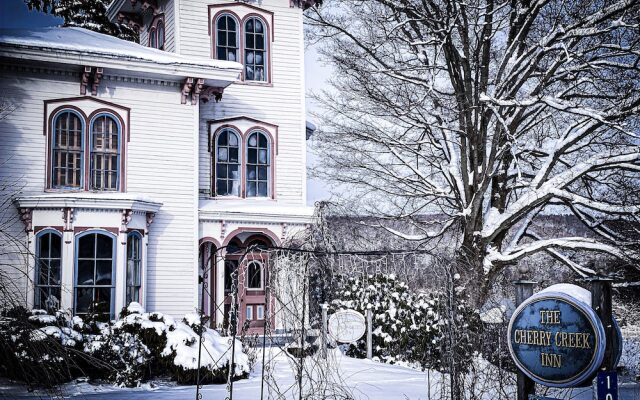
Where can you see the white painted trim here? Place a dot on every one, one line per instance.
(107, 201)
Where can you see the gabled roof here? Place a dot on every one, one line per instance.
(71, 45)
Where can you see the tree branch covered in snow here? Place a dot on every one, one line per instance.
(87, 14)
(487, 114)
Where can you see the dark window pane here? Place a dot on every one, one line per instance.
(103, 300)
(221, 171)
(251, 173)
(233, 172)
(105, 246)
(249, 73)
(254, 275)
(86, 246)
(85, 272)
(233, 155)
(231, 39)
(222, 139)
(56, 246)
(54, 272)
(251, 189)
(103, 272)
(221, 54)
(252, 156)
(84, 298)
(262, 173)
(221, 187)
(259, 28)
(249, 25)
(250, 43)
(43, 242)
(222, 22)
(262, 189)
(43, 273)
(222, 39)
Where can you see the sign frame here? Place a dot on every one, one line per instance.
(352, 314)
(590, 316)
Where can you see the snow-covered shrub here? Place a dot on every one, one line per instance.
(135, 347)
(408, 327)
(37, 348)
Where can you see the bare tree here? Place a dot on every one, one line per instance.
(485, 114)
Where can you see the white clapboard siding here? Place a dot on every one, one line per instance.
(160, 165)
(282, 103)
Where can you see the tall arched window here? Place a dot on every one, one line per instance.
(227, 161)
(134, 267)
(95, 265)
(255, 50)
(258, 162)
(160, 33)
(153, 38)
(254, 275)
(67, 150)
(227, 38)
(105, 153)
(48, 261)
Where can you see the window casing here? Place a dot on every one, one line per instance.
(227, 38)
(249, 313)
(67, 150)
(227, 163)
(255, 50)
(48, 263)
(260, 312)
(254, 276)
(134, 267)
(157, 33)
(105, 153)
(258, 165)
(95, 266)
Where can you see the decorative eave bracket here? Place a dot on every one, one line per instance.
(90, 76)
(195, 88)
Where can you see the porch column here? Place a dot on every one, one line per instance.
(219, 290)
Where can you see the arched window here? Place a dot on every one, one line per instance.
(254, 275)
(227, 161)
(48, 261)
(67, 150)
(95, 265)
(255, 50)
(134, 267)
(153, 38)
(258, 162)
(160, 34)
(227, 38)
(105, 153)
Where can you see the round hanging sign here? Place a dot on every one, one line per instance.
(556, 338)
(346, 326)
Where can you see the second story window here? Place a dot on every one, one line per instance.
(67, 163)
(227, 42)
(156, 33)
(258, 165)
(255, 50)
(227, 164)
(105, 153)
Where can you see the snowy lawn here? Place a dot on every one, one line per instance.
(364, 379)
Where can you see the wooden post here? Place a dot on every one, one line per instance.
(601, 304)
(526, 386)
(369, 333)
(323, 336)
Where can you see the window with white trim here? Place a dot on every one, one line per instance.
(227, 163)
(48, 263)
(105, 152)
(260, 312)
(255, 50)
(157, 33)
(249, 313)
(95, 265)
(134, 267)
(227, 38)
(258, 163)
(254, 275)
(68, 150)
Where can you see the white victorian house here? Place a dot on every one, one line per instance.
(133, 163)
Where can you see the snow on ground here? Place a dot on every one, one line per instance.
(364, 379)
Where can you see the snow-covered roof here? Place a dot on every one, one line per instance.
(259, 210)
(72, 45)
(105, 200)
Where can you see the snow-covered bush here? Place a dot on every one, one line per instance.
(135, 347)
(409, 327)
(37, 348)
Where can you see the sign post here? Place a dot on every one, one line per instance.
(369, 333)
(526, 386)
(601, 302)
(323, 336)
